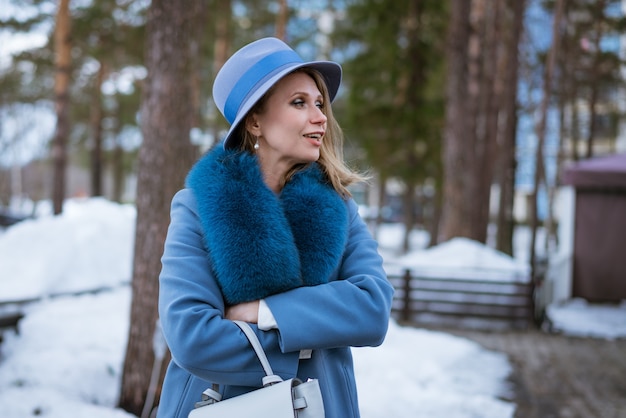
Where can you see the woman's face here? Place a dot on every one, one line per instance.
(291, 125)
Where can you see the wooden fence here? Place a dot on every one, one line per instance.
(456, 301)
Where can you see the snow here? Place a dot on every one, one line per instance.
(87, 247)
(67, 357)
(578, 318)
(463, 258)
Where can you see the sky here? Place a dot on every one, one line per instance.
(66, 359)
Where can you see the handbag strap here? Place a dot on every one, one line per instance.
(270, 377)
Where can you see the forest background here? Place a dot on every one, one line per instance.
(433, 100)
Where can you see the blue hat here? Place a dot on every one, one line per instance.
(253, 70)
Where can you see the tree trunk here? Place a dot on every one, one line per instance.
(434, 224)
(541, 128)
(473, 110)
(455, 151)
(117, 160)
(96, 132)
(117, 168)
(408, 216)
(474, 137)
(593, 100)
(165, 157)
(416, 79)
(507, 161)
(196, 47)
(382, 201)
(223, 13)
(63, 61)
(281, 20)
(491, 93)
(221, 45)
(575, 128)
(595, 82)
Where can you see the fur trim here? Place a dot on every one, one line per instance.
(260, 244)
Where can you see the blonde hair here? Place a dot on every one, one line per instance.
(331, 151)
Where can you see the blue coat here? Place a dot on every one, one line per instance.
(349, 306)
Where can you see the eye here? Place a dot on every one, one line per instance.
(319, 104)
(298, 102)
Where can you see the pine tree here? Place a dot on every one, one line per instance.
(63, 61)
(394, 106)
(165, 156)
(480, 41)
(507, 162)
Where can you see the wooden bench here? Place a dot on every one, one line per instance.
(7, 219)
(11, 312)
(10, 320)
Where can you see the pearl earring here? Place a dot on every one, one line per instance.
(256, 144)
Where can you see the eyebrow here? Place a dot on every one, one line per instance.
(303, 93)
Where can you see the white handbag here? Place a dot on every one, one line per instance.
(277, 398)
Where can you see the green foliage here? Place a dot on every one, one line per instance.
(394, 77)
(109, 35)
(104, 33)
(393, 73)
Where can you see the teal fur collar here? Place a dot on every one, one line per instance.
(259, 243)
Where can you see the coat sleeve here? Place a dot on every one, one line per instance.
(191, 309)
(352, 310)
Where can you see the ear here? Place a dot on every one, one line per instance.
(252, 125)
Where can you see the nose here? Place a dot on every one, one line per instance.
(317, 116)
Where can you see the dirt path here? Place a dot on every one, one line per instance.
(561, 377)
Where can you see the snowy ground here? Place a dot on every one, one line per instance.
(67, 357)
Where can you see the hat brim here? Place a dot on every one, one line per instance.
(331, 71)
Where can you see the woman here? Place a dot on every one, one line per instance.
(266, 232)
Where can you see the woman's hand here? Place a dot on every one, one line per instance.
(247, 312)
